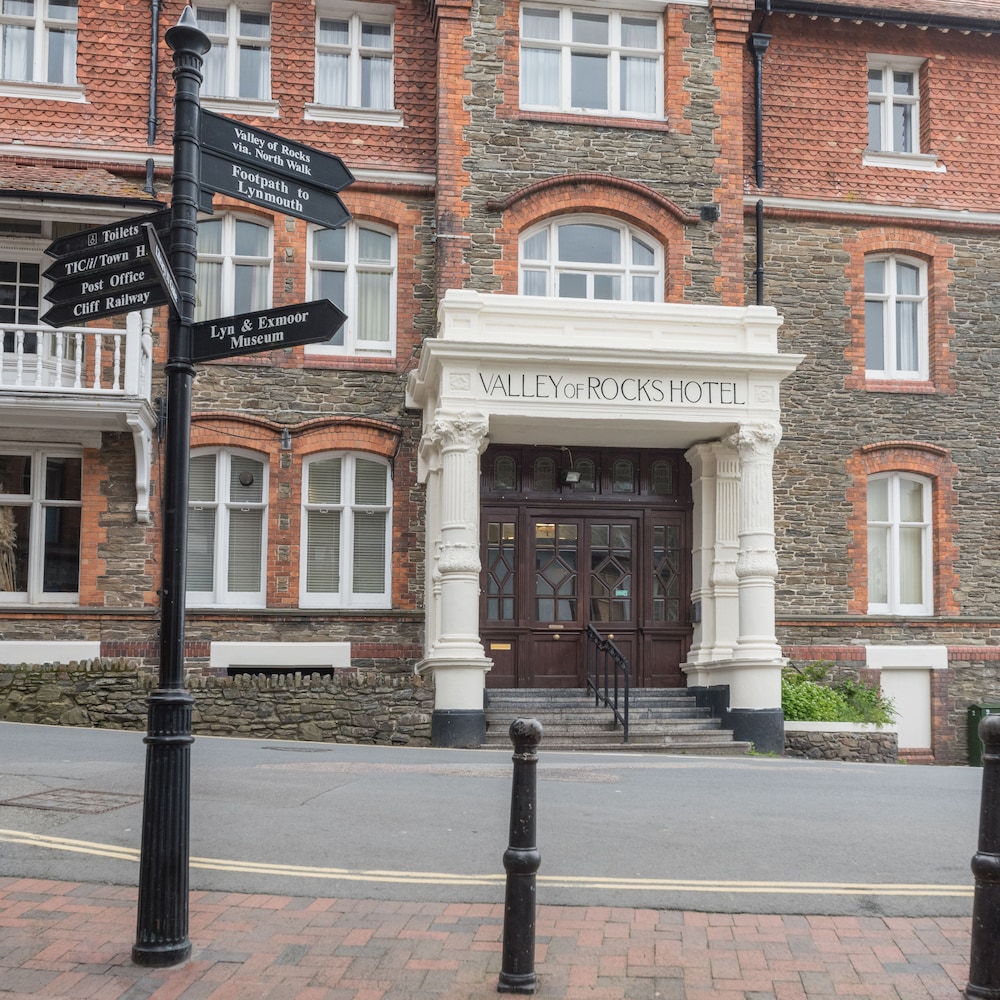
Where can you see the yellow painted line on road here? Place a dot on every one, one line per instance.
(557, 881)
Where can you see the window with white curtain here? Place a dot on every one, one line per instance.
(591, 61)
(38, 41)
(354, 53)
(893, 105)
(355, 268)
(238, 65)
(346, 532)
(227, 529)
(895, 318)
(590, 258)
(899, 545)
(41, 506)
(234, 267)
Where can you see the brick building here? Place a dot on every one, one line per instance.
(676, 319)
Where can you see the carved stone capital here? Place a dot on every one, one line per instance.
(754, 441)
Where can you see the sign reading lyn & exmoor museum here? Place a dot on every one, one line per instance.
(268, 330)
(612, 389)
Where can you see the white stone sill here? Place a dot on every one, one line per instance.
(837, 727)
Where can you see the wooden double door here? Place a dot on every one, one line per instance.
(548, 574)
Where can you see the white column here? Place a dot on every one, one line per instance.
(756, 562)
(450, 450)
(715, 490)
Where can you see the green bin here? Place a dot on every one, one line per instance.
(976, 715)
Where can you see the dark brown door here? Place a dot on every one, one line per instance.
(551, 569)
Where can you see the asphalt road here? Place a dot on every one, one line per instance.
(747, 835)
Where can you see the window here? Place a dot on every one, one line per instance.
(346, 532)
(234, 267)
(355, 267)
(227, 506)
(591, 61)
(899, 545)
(354, 62)
(40, 512)
(584, 259)
(895, 318)
(38, 41)
(238, 64)
(893, 106)
(19, 306)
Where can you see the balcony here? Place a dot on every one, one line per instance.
(84, 379)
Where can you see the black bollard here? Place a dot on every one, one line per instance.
(521, 861)
(984, 962)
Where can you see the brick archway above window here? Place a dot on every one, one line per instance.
(922, 459)
(597, 194)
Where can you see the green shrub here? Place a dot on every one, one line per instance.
(807, 696)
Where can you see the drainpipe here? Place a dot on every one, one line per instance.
(154, 53)
(758, 45)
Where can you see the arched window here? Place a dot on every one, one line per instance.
(899, 545)
(591, 258)
(346, 532)
(895, 317)
(234, 267)
(227, 508)
(355, 268)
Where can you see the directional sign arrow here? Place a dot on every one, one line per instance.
(257, 148)
(269, 330)
(110, 282)
(161, 264)
(106, 237)
(272, 190)
(121, 300)
(91, 263)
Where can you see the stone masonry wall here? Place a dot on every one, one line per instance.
(353, 706)
(864, 747)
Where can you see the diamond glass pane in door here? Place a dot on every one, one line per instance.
(500, 558)
(611, 572)
(555, 572)
(666, 576)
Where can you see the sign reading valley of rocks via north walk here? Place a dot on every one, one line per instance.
(269, 330)
(254, 147)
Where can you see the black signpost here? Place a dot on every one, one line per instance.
(296, 181)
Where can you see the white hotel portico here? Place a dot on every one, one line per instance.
(698, 382)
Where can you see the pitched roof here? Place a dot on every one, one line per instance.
(982, 15)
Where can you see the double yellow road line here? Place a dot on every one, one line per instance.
(131, 854)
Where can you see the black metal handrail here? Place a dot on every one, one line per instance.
(604, 657)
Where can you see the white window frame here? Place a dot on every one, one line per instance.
(223, 504)
(614, 50)
(891, 528)
(888, 101)
(230, 260)
(38, 504)
(349, 509)
(627, 270)
(352, 265)
(38, 85)
(232, 42)
(890, 298)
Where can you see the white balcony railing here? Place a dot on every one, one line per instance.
(78, 359)
(50, 381)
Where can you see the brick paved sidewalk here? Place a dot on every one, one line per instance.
(65, 939)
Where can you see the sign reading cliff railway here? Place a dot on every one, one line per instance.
(268, 330)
